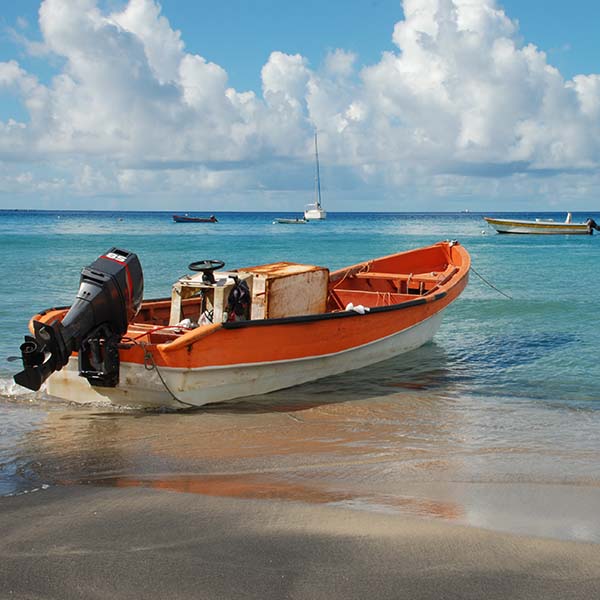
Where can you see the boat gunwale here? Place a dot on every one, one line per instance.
(333, 315)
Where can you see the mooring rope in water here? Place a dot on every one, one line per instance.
(491, 285)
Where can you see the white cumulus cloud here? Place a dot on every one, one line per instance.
(461, 108)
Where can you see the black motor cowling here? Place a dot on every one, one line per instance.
(110, 295)
(591, 224)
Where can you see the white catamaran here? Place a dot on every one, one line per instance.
(315, 211)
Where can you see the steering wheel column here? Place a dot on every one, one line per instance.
(207, 268)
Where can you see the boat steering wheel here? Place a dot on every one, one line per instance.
(206, 267)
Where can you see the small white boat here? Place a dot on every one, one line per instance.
(285, 221)
(315, 211)
(542, 226)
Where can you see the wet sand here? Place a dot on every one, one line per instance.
(105, 542)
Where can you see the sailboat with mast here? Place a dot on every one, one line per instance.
(315, 211)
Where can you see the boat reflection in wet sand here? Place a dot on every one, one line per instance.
(187, 219)
(229, 334)
(542, 226)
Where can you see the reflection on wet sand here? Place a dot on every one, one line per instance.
(233, 486)
(353, 439)
(251, 486)
(369, 437)
(396, 437)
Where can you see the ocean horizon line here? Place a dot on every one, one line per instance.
(273, 212)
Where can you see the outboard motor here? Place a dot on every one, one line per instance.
(591, 224)
(238, 301)
(109, 297)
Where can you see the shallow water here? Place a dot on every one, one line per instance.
(497, 423)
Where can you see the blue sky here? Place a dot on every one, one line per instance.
(567, 31)
(426, 104)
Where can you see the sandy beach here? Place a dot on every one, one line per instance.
(97, 542)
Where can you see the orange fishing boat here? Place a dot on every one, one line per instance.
(229, 334)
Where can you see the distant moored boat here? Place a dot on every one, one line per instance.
(286, 221)
(542, 226)
(316, 212)
(187, 219)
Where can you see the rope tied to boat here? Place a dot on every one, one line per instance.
(152, 366)
(491, 285)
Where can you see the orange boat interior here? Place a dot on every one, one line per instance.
(382, 282)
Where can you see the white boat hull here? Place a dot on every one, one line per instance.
(315, 214)
(537, 227)
(141, 387)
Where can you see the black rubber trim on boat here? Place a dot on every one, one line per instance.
(335, 315)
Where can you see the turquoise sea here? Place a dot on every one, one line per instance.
(504, 405)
